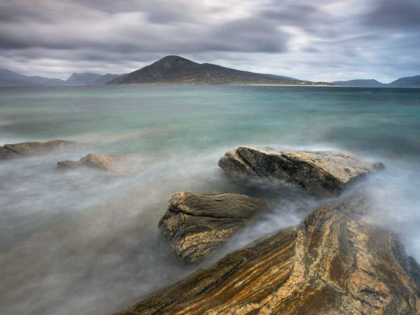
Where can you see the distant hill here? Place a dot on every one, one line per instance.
(82, 78)
(360, 83)
(412, 82)
(106, 78)
(407, 81)
(91, 78)
(178, 70)
(10, 78)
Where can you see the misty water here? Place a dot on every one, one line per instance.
(86, 242)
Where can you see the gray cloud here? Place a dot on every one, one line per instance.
(401, 15)
(324, 41)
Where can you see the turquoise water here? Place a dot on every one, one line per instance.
(203, 117)
(87, 243)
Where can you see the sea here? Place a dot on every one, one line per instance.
(86, 242)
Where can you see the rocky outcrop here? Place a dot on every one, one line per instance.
(95, 161)
(6, 154)
(196, 225)
(332, 263)
(321, 173)
(31, 148)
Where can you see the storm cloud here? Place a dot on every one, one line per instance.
(329, 40)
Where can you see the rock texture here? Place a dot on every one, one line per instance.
(96, 161)
(31, 148)
(196, 225)
(333, 263)
(320, 173)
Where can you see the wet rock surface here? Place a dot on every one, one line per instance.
(31, 148)
(332, 263)
(196, 225)
(324, 174)
(95, 161)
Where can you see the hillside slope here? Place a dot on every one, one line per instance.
(360, 83)
(178, 70)
(407, 81)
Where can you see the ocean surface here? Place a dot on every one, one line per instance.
(85, 242)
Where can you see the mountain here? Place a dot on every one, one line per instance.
(360, 83)
(406, 82)
(10, 78)
(91, 78)
(83, 78)
(178, 70)
(106, 78)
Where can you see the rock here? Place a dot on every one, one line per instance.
(196, 225)
(320, 173)
(6, 154)
(332, 263)
(96, 161)
(31, 148)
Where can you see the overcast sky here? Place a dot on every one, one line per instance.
(320, 40)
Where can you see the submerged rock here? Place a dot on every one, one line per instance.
(96, 161)
(332, 263)
(320, 173)
(196, 225)
(31, 148)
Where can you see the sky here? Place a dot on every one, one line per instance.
(320, 40)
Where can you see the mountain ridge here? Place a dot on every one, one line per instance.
(360, 83)
(178, 70)
(168, 71)
(10, 78)
(405, 82)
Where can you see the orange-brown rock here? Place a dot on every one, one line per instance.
(320, 173)
(332, 263)
(31, 148)
(95, 161)
(196, 225)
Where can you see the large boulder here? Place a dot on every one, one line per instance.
(95, 161)
(332, 263)
(31, 148)
(196, 225)
(320, 173)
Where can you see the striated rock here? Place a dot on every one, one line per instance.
(332, 263)
(97, 161)
(320, 173)
(196, 225)
(31, 148)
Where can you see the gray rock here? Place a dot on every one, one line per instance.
(320, 173)
(96, 161)
(31, 148)
(196, 225)
(6, 154)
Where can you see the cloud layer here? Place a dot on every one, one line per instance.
(329, 40)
